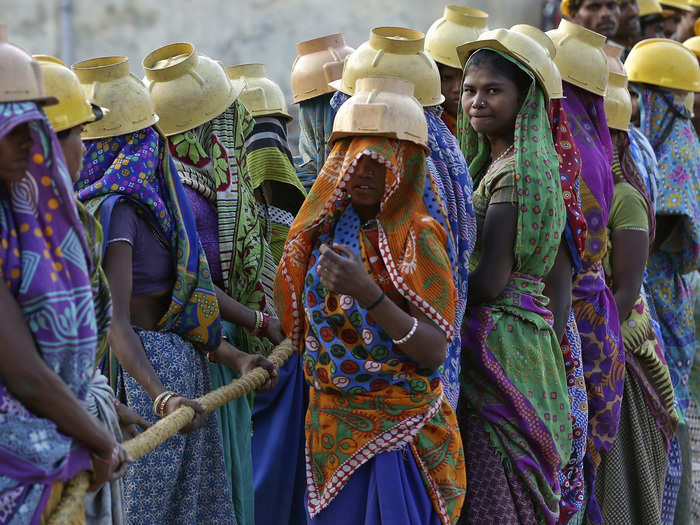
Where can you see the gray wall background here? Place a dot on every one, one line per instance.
(233, 31)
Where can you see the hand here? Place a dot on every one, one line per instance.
(249, 362)
(108, 469)
(344, 274)
(128, 420)
(199, 412)
(274, 331)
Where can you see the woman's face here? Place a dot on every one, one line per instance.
(450, 83)
(73, 151)
(492, 102)
(14, 153)
(366, 187)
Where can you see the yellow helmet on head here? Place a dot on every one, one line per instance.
(456, 26)
(108, 83)
(394, 52)
(682, 5)
(693, 43)
(618, 102)
(649, 7)
(664, 63)
(188, 89)
(385, 107)
(260, 95)
(319, 62)
(73, 108)
(580, 57)
(20, 75)
(527, 45)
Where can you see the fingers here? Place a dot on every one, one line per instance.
(345, 249)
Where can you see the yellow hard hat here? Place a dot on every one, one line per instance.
(580, 57)
(683, 5)
(697, 27)
(73, 107)
(260, 95)
(20, 75)
(527, 45)
(394, 52)
(457, 26)
(108, 83)
(385, 107)
(664, 63)
(188, 89)
(319, 61)
(618, 102)
(693, 43)
(649, 7)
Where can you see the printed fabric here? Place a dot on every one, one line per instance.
(522, 403)
(44, 263)
(666, 123)
(316, 117)
(366, 397)
(212, 160)
(593, 302)
(571, 476)
(448, 197)
(138, 167)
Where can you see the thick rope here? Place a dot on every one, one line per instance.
(169, 426)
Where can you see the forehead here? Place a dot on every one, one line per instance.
(367, 162)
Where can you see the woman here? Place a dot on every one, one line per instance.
(353, 292)
(665, 121)
(48, 436)
(278, 189)
(211, 163)
(166, 323)
(447, 177)
(630, 481)
(514, 413)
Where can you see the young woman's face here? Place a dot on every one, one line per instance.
(491, 100)
(366, 186)
(73, 151)
(14, 153)
(450, 82)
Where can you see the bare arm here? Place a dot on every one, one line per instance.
(240, 315)
(347, 275)
(557, 286)
(491, 275)
(629, 257)
(38, 388)
(125, 343)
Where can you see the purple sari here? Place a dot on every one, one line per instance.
(593, 302)
(43, 261)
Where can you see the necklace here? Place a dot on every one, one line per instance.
(500, 157)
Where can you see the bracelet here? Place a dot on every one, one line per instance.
(157, 400)
(113, 458)
(410, 333)
(164, 402)
(258, 321)
(265, 323)
(376, 303)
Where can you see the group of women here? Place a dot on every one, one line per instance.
(482, 256)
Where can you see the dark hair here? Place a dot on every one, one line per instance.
(501, 65)
(63, 134)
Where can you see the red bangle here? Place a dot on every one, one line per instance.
(265, 323)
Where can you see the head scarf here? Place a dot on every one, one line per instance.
(589, 128)
(138, 167)
(410, 241)
(270, 160)
(539, 230)
(645, 159)
(316, 117)
(666, 123)
(44, 264)
(569, 172)
(624, 169)
(212, 159)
